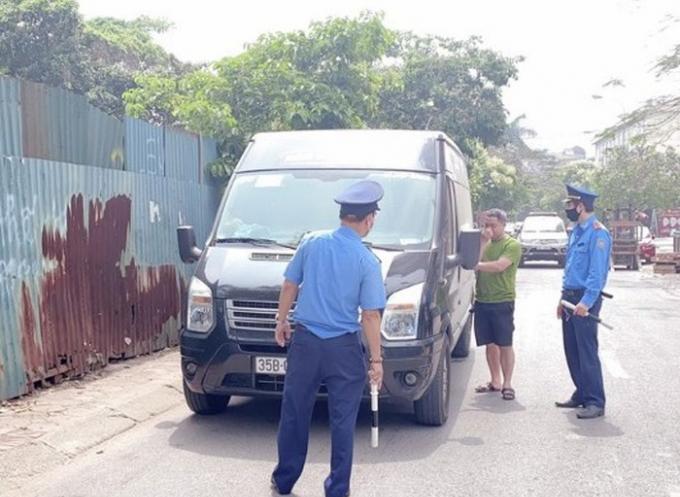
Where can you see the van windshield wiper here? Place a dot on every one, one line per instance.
(382, 247)
(254, 241)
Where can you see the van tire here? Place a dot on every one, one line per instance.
(560, 262)
(462, 348)
(204, 403)
(432, 409)
(522, 262)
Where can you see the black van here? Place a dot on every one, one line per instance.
(282, 189)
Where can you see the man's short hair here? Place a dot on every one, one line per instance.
(498, 214)
(354, 218)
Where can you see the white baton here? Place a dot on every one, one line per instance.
(572, 308)
(374, 411)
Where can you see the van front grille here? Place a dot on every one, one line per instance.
(255, 315)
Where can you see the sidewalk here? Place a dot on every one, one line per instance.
(48, 428)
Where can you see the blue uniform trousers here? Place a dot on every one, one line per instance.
(580, 347)
(339, 363)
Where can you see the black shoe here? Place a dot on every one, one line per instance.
(275, 487)
(590, 412)
(569, 404)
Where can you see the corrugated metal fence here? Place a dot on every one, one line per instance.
(89, 269)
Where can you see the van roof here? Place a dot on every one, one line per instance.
(404, 150)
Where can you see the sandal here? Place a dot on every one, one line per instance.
(488, 388)
(508, 393)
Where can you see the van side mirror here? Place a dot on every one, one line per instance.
(469, 244)
(186, 239)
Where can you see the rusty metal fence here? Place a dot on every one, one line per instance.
(89, 269)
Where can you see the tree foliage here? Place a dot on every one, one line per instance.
(42, 41)
(447, 84)
(339, 73)
(48, 41)
(640, 177)
(493, 182)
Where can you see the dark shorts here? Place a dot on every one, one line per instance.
(494, 323)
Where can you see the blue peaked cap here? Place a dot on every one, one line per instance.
(582, 194)
(360, 198)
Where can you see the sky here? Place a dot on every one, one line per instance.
(570, 47)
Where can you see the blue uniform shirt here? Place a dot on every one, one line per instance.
(337, 275)
(588, 258)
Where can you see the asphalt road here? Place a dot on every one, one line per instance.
(489, 446)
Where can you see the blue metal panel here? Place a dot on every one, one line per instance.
(80, 249)
(104, 140)
(208, 154)
(144, 148)
(62, 126)
(89, 267)
(181, 155)
(10, 118)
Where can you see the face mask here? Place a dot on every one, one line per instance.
(572, 214)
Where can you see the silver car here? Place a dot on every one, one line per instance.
(543, 238)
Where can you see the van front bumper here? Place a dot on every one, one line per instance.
(230, 370)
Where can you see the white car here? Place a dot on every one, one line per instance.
(543, 238)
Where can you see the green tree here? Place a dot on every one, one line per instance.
(640, 177)
(117, 52)
(47, 41)
(493, 183)
(323, 78)
(442, 83)
(42, 40)
(326, 77)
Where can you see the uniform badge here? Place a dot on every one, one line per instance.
(601, 244)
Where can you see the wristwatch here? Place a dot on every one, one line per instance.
(278, 320)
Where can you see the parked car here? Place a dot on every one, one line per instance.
(281, 189)
(510, 228)
(543, 238)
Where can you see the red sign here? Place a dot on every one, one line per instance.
(667, 221)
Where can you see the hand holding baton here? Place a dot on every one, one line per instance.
(374, 411)
(572, 308)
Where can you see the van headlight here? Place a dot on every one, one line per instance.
(200, 307)
(400, 319)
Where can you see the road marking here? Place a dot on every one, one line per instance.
(611, 362)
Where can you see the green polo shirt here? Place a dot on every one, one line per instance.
(499, 287)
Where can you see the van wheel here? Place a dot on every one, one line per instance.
(432, 408)
(462, 348)
(560, 262)
(522, 262)
(204, 403)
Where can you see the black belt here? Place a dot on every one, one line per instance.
(570, 292)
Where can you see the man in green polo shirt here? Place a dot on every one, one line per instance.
(495, 305)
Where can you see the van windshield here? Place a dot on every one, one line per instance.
(543, 224)
(283, 206)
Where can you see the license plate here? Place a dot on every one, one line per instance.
(271, 365)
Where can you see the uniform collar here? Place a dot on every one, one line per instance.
(588, 222)
(348, 232)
